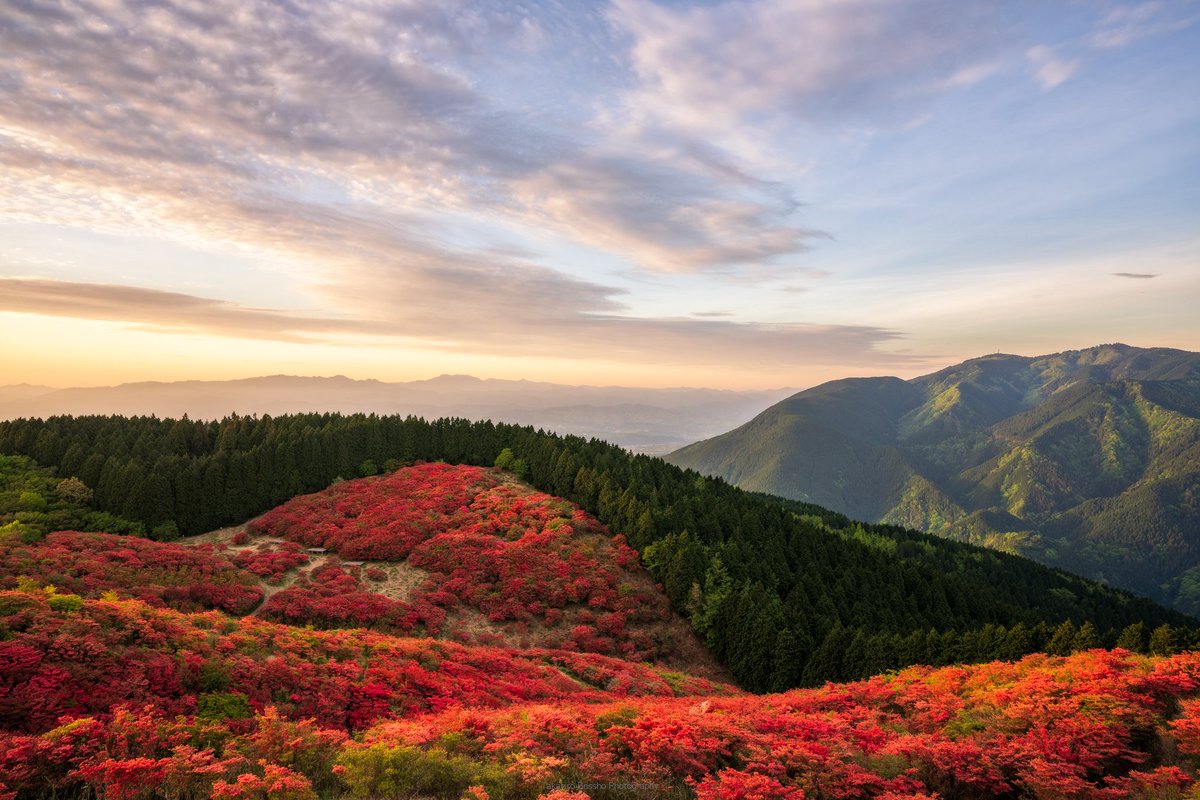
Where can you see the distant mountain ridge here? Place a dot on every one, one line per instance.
(1087, 460)
(646, 420)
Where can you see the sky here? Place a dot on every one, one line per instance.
(734, 194)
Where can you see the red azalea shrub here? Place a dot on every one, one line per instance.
(1083, 727)
(139, 752)
(269, 560)
(333, 598)
(110, 653)
(499, 548)
(276, 783)
(187, 578)
(498, 723)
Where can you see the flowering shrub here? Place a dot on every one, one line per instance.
(188, 578)
(1079, 727)
(515, 555)
(104, 701)
(276, 783)
(114, 652)
(271, 561)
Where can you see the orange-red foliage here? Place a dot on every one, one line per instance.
(1081, 727)
(107, 697)
(55, 664)
(187, 578)
(496, 547)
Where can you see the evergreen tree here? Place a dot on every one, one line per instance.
(1087, 638)
(1133, 638)
(1063, 641)
(1162, 641)
(1017, 642)
(792, 650)
(826, 663)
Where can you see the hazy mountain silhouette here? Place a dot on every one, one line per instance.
(647, 420)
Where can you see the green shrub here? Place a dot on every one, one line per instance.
(382, 771)
(223, 705)
(65, 603)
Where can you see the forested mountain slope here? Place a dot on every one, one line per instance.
(1087, 460)
(783, 594)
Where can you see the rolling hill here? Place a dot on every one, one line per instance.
(1087, 460)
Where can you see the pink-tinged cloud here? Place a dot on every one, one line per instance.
(548, 318)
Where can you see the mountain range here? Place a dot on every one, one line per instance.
(1088, 460)
(644, 420)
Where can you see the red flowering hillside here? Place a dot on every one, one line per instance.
(1096, 725)
(87, 564)
(484, 559)
(62, 655)
(1093, 726)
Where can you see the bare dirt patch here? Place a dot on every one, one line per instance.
(402, 579)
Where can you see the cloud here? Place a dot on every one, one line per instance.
(160, 310)
(674, 216)
(401, 107)
(547, 317)
(1138, 275)
(728, 62)
(1128, 23)
(1049, 69)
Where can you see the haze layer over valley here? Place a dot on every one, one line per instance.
(644, 420)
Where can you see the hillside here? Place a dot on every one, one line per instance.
(462, 553)
(1087, 460)
(782, 594)
(448, 631)
(118, 699)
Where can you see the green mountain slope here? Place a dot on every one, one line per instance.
(1087, 460)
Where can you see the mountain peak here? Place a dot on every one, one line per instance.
(1085, 459)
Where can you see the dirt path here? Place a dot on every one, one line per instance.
(224, 537)
(269, 590)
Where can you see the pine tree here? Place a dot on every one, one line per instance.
(792, 650)
(1133, 638)
(1063, 640)
(1087, 638)
(826, 663)
(1162, 641)
(1017, 643)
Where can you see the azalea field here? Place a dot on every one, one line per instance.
(120, 699)
(449, 632)
(533, 563)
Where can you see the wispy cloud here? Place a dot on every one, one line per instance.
(550, 317)
(727, 62)
(359, 103)
(1137, 275)
(1048, 68)
(375, 147)
(170, 311)
(1130, 22)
